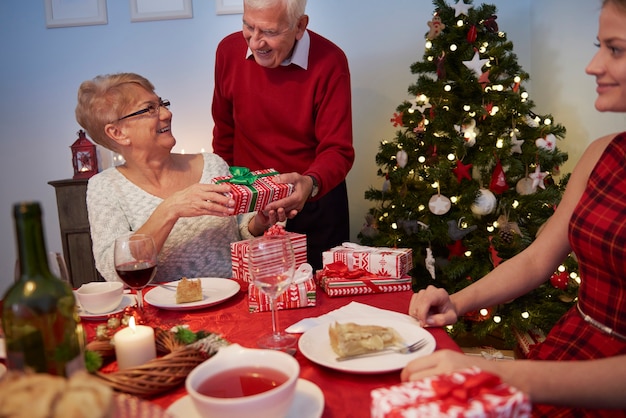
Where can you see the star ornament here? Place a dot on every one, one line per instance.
(462, 171)
(538, 177)
(476, 64)
(461, 8)
(516, 144)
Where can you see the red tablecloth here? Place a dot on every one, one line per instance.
(346, 395)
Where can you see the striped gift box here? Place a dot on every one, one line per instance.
(239, 255)
(255, 196)
(299, 295)
(383, 262)
(341, 286)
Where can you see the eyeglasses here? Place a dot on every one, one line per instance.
(151, 110)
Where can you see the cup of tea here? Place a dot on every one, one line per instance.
(240, 382)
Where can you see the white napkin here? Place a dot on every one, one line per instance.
(346, 313)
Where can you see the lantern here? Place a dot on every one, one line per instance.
(84, 157)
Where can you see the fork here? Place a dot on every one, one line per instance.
(401, 350)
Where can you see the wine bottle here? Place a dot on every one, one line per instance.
(39, 316)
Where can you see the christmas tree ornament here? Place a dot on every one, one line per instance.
(516, 144)
(548, 143)
(461, 8)
(441, 69)
(559, 280)
(493, 254)
(386, 184)
(491, 24)
(532, 121)
(469, 132)
(456, 231)
(525, 186)
(471, 34)
(439, 204)
(498, 183)
(456, 250)
(402, 157)
(370, 228)
(429, 261)
(476, 64)
(435, 27)
(484, 204)
(483, 80)
(462, 171)
(538, 178)
(396, 119)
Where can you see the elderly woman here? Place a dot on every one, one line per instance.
(157, 192)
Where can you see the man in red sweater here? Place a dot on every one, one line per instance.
(282, 100)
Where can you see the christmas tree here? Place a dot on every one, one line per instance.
(472, 173)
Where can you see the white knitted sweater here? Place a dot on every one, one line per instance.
(196, 247)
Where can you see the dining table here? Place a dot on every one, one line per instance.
(345, 394)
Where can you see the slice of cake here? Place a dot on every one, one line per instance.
(188, 290)
(351, 339)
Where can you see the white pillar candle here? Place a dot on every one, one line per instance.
(134, 345)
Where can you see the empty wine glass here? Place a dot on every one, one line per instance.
(135, 260)
(272, 266)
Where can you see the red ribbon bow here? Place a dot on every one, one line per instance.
(340, 269)
(452, 393)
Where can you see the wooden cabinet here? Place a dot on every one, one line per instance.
(75, 236)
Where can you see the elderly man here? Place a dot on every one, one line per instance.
(282, 100)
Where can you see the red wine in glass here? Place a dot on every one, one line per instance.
(136, 274)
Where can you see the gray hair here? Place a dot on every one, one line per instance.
(295, 8)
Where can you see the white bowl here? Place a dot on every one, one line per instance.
(100, 297)
(273, 403)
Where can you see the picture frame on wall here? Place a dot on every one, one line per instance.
(228, 7)
(64, 13)
(145, 10)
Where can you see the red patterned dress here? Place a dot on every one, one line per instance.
(598, 238)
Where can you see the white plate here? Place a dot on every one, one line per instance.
(308, 402)
(214, 291)
(127, 300)
(315, 345)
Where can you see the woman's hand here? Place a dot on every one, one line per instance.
(265, 219)
(201, 199)
(433, 307)
(441, 361)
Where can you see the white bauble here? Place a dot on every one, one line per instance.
(402, 157)
(485, 203)
(525, 186)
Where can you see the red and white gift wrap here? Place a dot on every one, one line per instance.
(383, 262)
(239, 255)
(526, 340)
(255, 196)
(336, 279)
(299, 295)
(469, 393)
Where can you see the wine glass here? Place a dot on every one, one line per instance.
(135, 260)
(272, 266)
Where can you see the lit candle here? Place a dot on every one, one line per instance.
(134, 345)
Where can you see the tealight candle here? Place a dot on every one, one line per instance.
(134, 345)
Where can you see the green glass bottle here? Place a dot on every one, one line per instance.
(39, 316)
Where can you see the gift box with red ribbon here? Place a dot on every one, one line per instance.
(336, 279)
(253, 190)
(239, 252)
(383, 262)
(301, 294)
(466, 393)
(526, 340)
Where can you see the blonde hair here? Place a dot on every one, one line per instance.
(295, 8)
(101, 101)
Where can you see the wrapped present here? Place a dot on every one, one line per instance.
(239, 252)
(383, 262)
(336, 279)
(301, 294)
(466, 393)
(526, 340)
(253, 190)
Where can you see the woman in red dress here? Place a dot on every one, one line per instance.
(580, 369)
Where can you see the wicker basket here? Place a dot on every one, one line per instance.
(163, 373)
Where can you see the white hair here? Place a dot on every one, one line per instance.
(295, 8)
